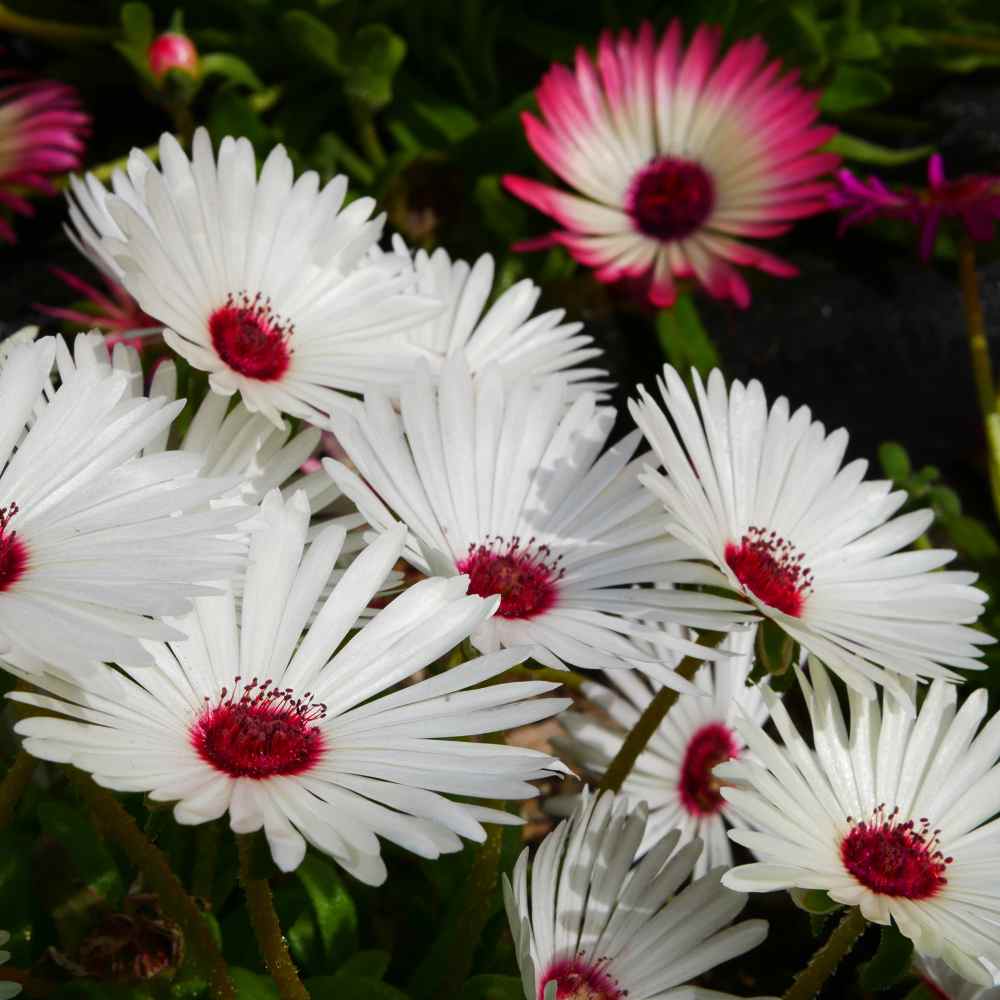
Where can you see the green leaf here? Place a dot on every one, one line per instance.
(353, 987)
(375, 55)
(137, 23)
(251, 986)
(683, 339)
(860, 45)
(492, 988)
(946, 501)
(861, 151)
(815, 901)
(231, 114)
(231, 67)
(920, 992)
(775, 648)
(336, 916)
(895, 461)
(503, 214)
(93, 861)
(451, 120)
(812, 30)
(369, 964)
(891, 962)
(314, 39)
(972, 537)
(854, 87)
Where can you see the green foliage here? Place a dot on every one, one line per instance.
(492, 988)
(891, 962)
(683, 338)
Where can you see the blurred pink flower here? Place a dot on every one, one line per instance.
(974, 199)
(42, 131)
(673, 152)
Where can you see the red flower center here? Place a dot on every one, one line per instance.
(525, 576)
(670, 198)
(13, 552)
(250, 338)
(893, 858)
(771, 569)
(259, 732)
(580, 980)
(699, 788)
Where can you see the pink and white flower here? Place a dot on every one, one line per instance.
(675, 156)
(42, 132)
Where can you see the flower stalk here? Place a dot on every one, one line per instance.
(266, 927)
(53, 31)
(650, 720)
(160, 878)
(824, 963)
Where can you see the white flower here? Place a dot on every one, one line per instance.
(894, 815)
(761, 496)
(263, 283)
(673, 775)
(23, 336)
(505, 484)
(505, 334)
(594, 925)
(92, 539)
(948, 985)
(286, 731)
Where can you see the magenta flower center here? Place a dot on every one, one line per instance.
(525, 576)
(670, 198)
(577, 979)
(771, 569)
(699, 788)
(250, 338)
(895, 859)
(259, 732)
(13, 552)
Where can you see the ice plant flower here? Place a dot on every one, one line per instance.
(674, 774)
(264, 283)
(23, 336)
(593, 926)
(94, 540)
(675, 155)
(507, 333)
(894, 814)
(7, 990)
(760, 495)
(288, 730)
(503, 483)
(42, 132)
(945, 984)
(973, 199)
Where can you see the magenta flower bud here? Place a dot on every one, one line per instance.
(172, 51)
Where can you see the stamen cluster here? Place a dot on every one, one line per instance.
(13, 554)
(699, 788)
(579, 979)
(524, 574)
(251, 338)
(771, 568)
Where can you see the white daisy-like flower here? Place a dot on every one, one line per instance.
(673, 774)
(505, 334)
(23, 336)
(893, 814)
(264, 283)
(93, 540)
(507, 485)
(944, 983)
(7, 990)
(267, 719)
(760, 495)
(593, 925)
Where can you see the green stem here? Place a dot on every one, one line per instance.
(371, 145)
(53, 31)
(266, 926)
(203, 876)
(160, 878)
(650, 720)
(977, 43)
(823, 964)
(14, 784)
(975, 327)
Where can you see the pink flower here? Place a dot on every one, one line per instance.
(114, 311)
(42, 131)
(674, 152)
(974, 199)
(172, 51)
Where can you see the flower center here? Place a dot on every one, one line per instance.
(893, 858)
(699, 788)
(13, 552)
(259, 732)
(250, 338)
(577, 979)
(771, 569)
(670, 198)
(524, 576)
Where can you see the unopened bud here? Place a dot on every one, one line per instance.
(172, 51)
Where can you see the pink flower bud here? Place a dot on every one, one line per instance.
(172, 51)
